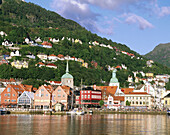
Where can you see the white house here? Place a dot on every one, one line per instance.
(7, 43)
(38, 40)
(16, 53)
(42, 56)
(52, 57)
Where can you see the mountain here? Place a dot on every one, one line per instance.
(160, 54)
(20, 20)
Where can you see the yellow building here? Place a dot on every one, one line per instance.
(19, 64)
(149, 74)
(85, 65)
(80, 60)
(167, 101)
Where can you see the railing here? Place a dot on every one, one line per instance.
(26, 110)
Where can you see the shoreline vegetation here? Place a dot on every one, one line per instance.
(94, 112)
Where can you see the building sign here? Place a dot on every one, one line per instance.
(95, 92)
(96, 96)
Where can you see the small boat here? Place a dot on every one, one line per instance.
(80, 112)
(168, 112)
(90, 111)
(71, 112)
(3, 111)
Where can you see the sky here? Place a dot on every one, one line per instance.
(139, 24)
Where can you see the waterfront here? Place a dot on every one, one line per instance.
(109, 124)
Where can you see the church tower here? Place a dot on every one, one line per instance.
(67, 79)
(114, 80)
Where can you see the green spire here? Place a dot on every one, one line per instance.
(67, 70)
(67, 75)
(114, 79)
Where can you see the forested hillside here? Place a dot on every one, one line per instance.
(22, 20)
(161, 54)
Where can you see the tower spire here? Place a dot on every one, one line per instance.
(67, 70)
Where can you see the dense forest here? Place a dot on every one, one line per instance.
(22, 20)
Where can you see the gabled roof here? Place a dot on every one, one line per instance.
(66, 89)
(49, 88)
(46, 43)
(167, 96)
(139, 86)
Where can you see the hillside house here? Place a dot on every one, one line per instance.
(19, 64)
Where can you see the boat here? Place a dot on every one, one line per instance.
(90, 111)
(76, 111)
(80, 112)
(72, 112)
(168, 112)
(3, 111)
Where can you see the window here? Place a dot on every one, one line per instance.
(88, 96)
(140, 97)
(54, 95)
(59, 90)
(143, 97)
(88, 91)
(137, 102)
(47, 95)
(144, 103)
(5, 100)
(136, 97)
(13, 95)
(63, 95)
(5, 94)
(42, 95)
(85, 91)
(140, 103)
(37, 95)
(59, 95)
(9, 90)
(110, 102)
(9, 94)
(85, 96)
(133, 102)
(42, 89)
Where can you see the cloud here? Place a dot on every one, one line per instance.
(77, 11)
(163, 11)
(131, 18)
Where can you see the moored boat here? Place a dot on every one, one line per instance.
(168, 112)
(3, 111)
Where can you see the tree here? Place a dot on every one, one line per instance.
(127, 103)
(101, 103)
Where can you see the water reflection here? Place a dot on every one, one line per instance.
(84, 125)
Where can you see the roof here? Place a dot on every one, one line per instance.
(137, 93)
(52, 55)
(66, 89)
(127, 90)
(51, 64)
(139, 86)
(60, 56)
(120, 98)
(110, 89)
(40, 63)
(46, 43)
(167, 96)
(49, 88)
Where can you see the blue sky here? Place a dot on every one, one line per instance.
(139, 24)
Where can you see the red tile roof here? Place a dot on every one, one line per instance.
(127, 90)
(50, 64)
(137, 93)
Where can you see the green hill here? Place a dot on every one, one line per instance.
(161, 54)
(22, 20)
